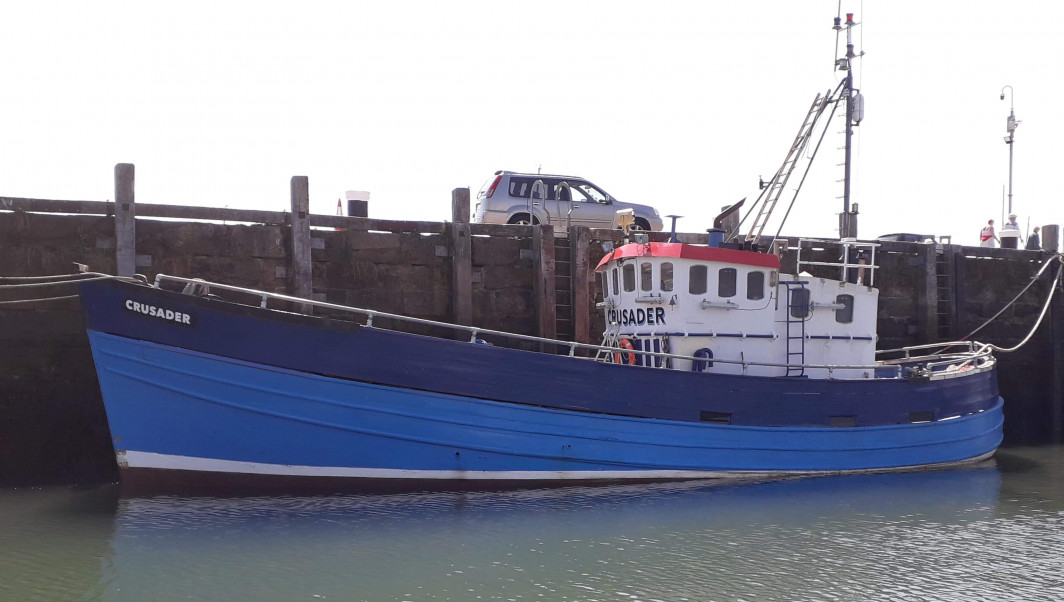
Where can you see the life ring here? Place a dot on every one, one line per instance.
(617, 357)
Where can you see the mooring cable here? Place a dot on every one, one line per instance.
(63, 280)
(1060, 259)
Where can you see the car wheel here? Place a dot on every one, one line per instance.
(521, 219)
(640, 224)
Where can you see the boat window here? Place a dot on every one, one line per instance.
(799, 305)
(629, 278)
(646, 276)
(726, 282)
(605, 283)
(615, 285)
(666, 276)
(755, 285)
(844, 315)
(696, 284)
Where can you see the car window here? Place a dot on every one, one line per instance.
(484, 188)
(578, 195)
(592, 193)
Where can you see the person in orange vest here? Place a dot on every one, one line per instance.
(987, 237)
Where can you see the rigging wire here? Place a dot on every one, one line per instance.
(838, 19)
(827, 124)
(753, 205)
(860, 85)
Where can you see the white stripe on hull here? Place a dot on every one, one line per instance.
(135, 459)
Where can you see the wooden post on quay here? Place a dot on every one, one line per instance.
(543, 291)
(125, 222)
(928, 312)
(461, 258)
(580, 258)
(299, 235)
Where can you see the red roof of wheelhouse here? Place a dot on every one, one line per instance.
(685, 251)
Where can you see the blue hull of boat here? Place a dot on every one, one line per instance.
(347, 351)
(173, 409)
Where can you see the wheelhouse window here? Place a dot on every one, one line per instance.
(697, 278)
(755, 285)
(799, 305)
(726, 282)
(629, 278)
(646, 276)
(844, 315)
(605, 283)
(615, 284)
(666, 276)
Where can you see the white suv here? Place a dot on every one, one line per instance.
(521, 198)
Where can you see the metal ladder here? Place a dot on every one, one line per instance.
(563, 289)
(779, 181)
(945, 269)
(794, 368)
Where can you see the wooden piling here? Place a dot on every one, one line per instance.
(543, 291)
(461, 259)
(299, 235)
(125, 221)
(928, 309)
(580, 256)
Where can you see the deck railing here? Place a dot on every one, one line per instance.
(975, 356)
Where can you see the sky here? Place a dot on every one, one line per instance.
(678, 104)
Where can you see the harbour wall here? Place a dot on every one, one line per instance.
(520, 279)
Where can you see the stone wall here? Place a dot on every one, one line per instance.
(52, 427)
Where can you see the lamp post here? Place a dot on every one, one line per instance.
(1010, 126)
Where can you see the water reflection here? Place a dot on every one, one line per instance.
(988, 532)
(668, 541)
(53, 542)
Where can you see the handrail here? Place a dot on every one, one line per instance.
(844, 263)
(969, 344)
(474, 331)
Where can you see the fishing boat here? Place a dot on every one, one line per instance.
(716, 362)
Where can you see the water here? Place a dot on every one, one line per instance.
(992, 532)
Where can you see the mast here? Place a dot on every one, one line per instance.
(854, 114)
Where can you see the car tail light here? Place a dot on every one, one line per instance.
(491, 189)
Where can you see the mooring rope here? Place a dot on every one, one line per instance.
(37, 300)
(56, 280)
(79, 275)
(93, 276)
(1059, 258)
